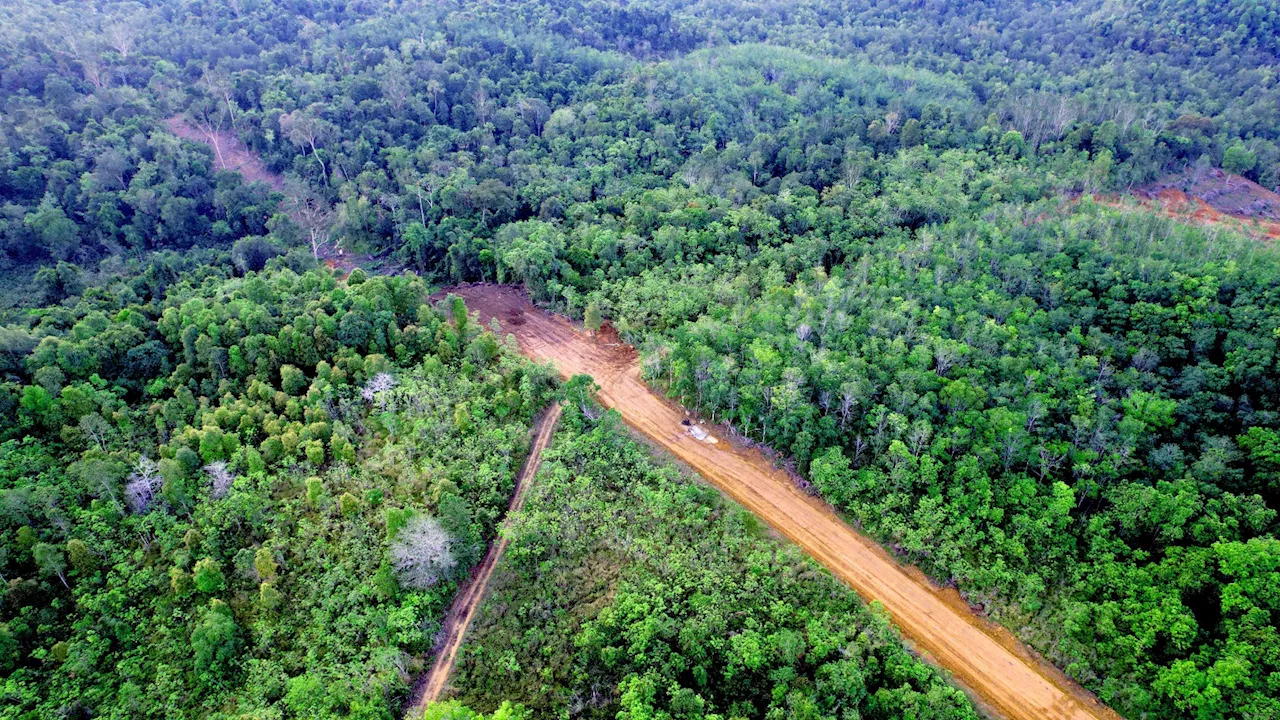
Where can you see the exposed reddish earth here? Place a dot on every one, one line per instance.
(228, 152)
(433, 682)
(1001, 674)
(1212, 198)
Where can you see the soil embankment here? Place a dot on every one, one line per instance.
(1211, 198)
(431, 684)
(1006, 678)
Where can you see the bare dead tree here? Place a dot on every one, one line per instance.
(209, 117)
(303, 127)
(310, 212)
(121, 35)
(422, 552)
(220, 479)
(95, 428)
(222, 88)
(484, 106)
(892, 120)
(144, 483)
(377, 385)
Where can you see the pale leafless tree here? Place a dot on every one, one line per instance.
(121, 35)
(310, 212)
(892, 120)
(919, 437)
(303, 127)
(422, 552)
(209, 117)
(377, 384)
(220, 479)
(484, 106)
(144, 482)
(945, 355)
(95, 428)
(220, 85)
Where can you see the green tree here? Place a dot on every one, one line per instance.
(59, 235)
(1238, 159)
(208, 576)
(82, 558)
(215, 640)
(592, 318)
(51, 560)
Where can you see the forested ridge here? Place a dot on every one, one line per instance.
(859, 233)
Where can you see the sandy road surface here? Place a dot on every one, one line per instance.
(1003, 675)
(430, 685)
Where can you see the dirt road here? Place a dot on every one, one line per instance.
(430, 685)
(1005, 677)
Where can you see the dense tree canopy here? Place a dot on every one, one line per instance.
(860, 233)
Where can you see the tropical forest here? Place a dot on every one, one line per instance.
(639, 360)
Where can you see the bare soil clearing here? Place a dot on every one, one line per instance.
(1212, 198)
(431, 684)
(231, 154)
(1220, 191)
(228, 152)
(1006, 678)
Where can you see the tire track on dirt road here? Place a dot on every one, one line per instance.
(432, 683)
(1005, 677)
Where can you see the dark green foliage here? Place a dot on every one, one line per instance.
(833, 225)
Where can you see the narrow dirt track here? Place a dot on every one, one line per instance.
(430, 685)
(1006, 678)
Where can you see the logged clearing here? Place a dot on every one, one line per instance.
(430, 685)
(1212, 198)
(231, 154)
(1004, 676)
(228, 152)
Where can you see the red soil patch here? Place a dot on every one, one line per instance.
(1213, 198)
(228, 152)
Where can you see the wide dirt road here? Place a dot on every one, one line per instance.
(1003, 676)
(430, 685)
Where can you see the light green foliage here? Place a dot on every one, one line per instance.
(454, 710)
(208, 576)
(265, 564)
(81, 557)
(195, 585)
(632, 584)
(348, 503)
(1239, 159)
(215, 639)
(269, 596)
